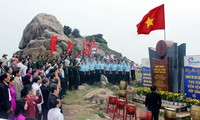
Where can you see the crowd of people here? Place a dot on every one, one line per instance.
(33, 90)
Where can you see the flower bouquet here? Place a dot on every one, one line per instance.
(176, 97)
(170, 97)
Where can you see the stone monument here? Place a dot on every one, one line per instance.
(167, 65)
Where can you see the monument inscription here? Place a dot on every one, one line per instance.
(161, 74)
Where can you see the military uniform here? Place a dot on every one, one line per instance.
(76, 77)
(71, 76)
(98, 71)
(127, 70)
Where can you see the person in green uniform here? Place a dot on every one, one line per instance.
(71, 75)
(76, 75)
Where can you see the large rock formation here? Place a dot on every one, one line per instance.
(36, 38)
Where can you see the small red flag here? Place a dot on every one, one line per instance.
(69, 46)
(53, 41)
(153, 20)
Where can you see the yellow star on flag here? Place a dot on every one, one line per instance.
(149, 22)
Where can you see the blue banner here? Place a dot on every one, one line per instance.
(146, 77)
(192, 82)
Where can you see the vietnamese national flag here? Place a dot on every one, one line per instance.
(153, 20)
(69, 46)
(53, 41)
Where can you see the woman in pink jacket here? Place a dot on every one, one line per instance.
(12, 93)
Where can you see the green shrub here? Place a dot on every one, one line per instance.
(98, 37)
(67, 30)
(100, 113)
(136, 83)
(76, 33)
(75, 48)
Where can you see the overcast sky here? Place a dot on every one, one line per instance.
(115, 19)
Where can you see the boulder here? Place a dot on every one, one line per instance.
(100, 52)
(104, 78)
(98, 96)
(104, 81)
(36, 43)
(82, 87)
(35, 52)
(37, 35)
(37, 27)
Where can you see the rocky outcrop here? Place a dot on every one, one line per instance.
(42, 26)
(36, 38)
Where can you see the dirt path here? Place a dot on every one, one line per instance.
(76, 112)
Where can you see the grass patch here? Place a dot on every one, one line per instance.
(82, 118)
(77, 96)
(113, 88)
(138, 74)
(100, 113)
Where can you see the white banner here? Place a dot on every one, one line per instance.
(192, 61)
(146, 62)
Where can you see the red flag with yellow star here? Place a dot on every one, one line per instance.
(153, 20)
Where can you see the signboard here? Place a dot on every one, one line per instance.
(160, 74)
(146, 73)
(192, 76)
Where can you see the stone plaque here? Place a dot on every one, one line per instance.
(160, 74)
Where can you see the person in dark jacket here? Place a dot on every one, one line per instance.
(2, 70)
(153, 102)
(54, 94)
(71, 76)
(5, 98)
(45, 93)
(76, 75)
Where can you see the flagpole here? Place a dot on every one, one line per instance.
(165, 26)
(164, 35)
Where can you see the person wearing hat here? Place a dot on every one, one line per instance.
(4, 59)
